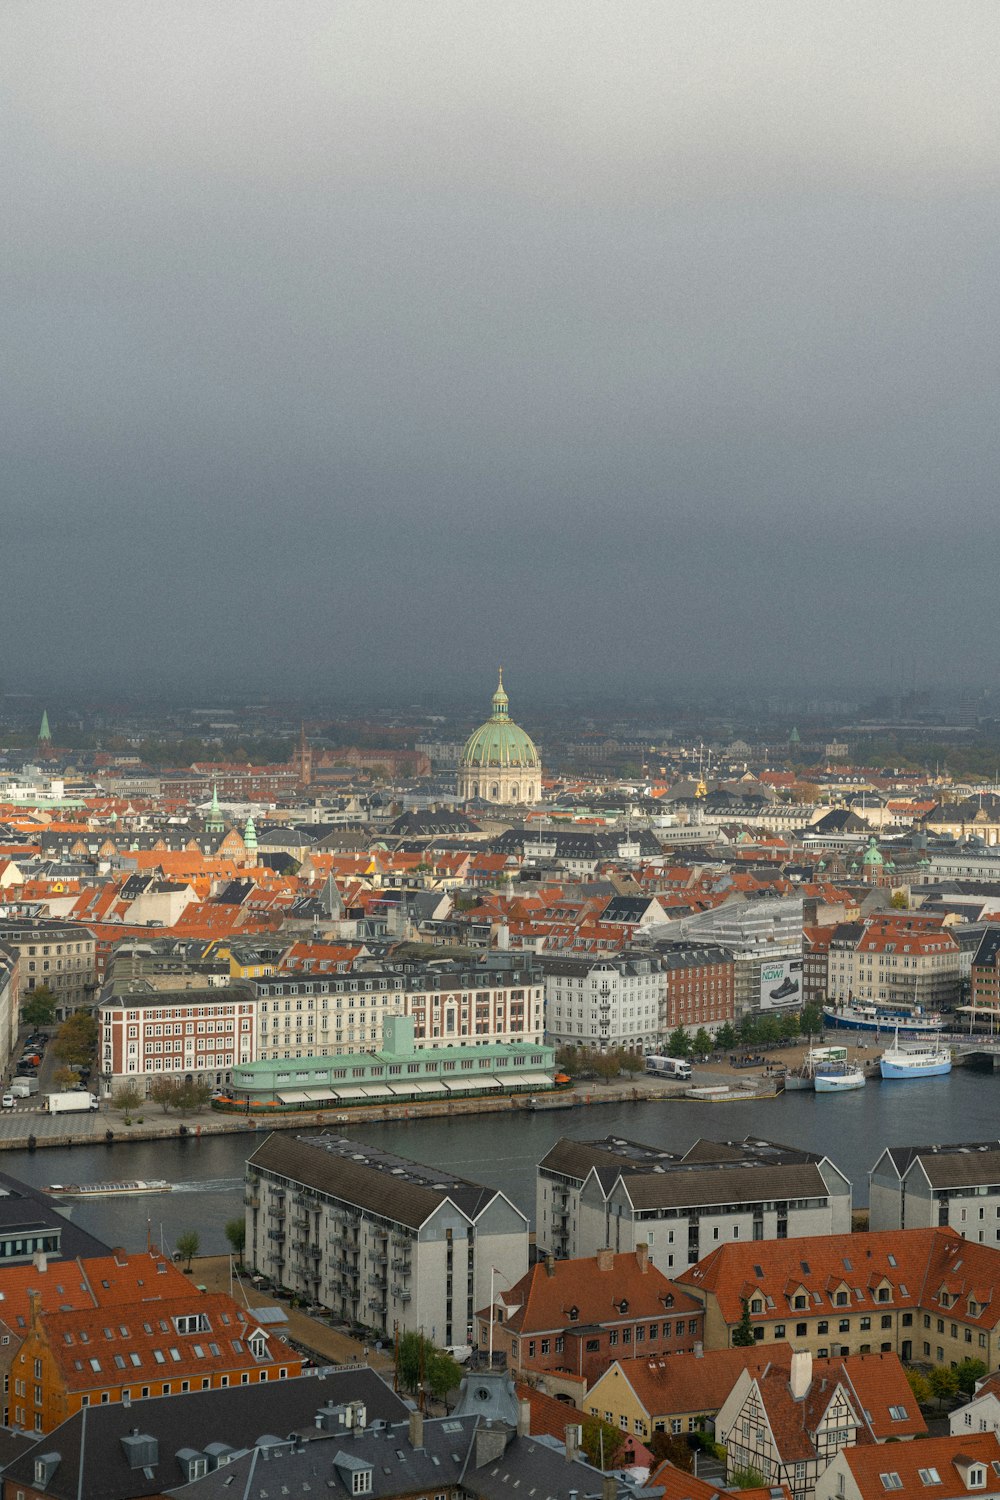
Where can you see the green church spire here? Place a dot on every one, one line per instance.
(214, 822)
(44, 732)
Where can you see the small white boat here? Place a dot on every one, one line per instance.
(915, 1059)
(832, 1066)
(838, 1078)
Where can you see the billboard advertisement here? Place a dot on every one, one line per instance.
(781, 984)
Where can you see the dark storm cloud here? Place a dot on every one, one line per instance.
(363, 344)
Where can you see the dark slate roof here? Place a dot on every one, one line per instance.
(988, 948)
(976, 1165)
(325, 1465)
(368, 1178)
(724, 1183)
(237, 1417)
(21, 1205)
(425, 823)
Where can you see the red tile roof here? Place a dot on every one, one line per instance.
(948, 1456)
(596, 1286)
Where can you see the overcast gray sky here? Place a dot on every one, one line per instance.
(352, 344)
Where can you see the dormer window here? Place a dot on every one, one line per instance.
(977, 1477)
(361, 1482)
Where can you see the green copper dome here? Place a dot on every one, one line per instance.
(500, 743)
(872, 856)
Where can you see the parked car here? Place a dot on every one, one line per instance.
(7, 1102)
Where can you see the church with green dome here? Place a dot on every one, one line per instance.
(500, 762)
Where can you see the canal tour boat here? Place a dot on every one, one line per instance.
(869, 1015)
(109, 1189)
(915, 1059)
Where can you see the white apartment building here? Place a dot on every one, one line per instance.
(191, 1035)
(617, 1194)
(500, 999)
(377, 1239)
(604, 1003)
(924, 1187)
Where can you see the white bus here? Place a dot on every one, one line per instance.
(668, 1067)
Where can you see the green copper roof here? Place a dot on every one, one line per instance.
(44, 732)
(872, 856)
(500, 743)
(250, 834)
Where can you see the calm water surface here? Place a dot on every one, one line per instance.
(503, 1150)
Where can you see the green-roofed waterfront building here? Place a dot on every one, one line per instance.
(399, 1073)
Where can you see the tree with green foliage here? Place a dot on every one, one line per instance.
(743, 1332)
(943, 1381)
(748, 1028)
(40, 1007)
(76, 1039)
(65, 1078)
(164, 1092)
(811, 1020)
(606, 1065)
(409, 1360)
(193, 1097)
(967, 1372)
(442, 1373)
(418, 1360)
(679, 1043)
(702, 1044)
(187, 1245)
(768, 1032)
(789, 1023)
(919, 1385)
(236, 1234)
(725, 1038)
(631, 1061)
(601, 1440)
(899, 901)
(127, 1098)
(745, 1477)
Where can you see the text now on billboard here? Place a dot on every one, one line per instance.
(781, 985)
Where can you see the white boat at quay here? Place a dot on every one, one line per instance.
(930, 1059)
(827, 1070)
(839, 1078)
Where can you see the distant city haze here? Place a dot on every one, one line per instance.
(362, 347)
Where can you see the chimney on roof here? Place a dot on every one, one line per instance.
(642, 1256)
(800, 1375)
(40, 1260)
(605, 1260)
(699, 1349)
(524, 1417)
(609, 1487)
(416, 1429)
(550, 1265)
(574, 1440)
